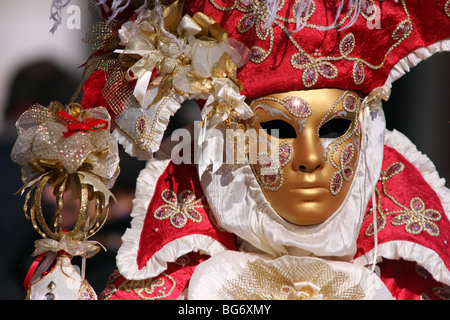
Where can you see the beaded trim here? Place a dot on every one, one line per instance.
(273, 182)
(179, 209)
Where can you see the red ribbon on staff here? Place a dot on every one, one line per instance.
(88, 124)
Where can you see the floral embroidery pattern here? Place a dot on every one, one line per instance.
(416, 218)
(314, 64)
(179, 209)
(157, 288)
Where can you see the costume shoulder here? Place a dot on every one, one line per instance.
(171, 220)
(412, 208)
(169, 285)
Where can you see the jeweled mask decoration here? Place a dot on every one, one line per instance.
(308, 150)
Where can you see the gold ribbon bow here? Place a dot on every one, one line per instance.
(85, 249)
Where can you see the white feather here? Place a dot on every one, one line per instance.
(56, 13)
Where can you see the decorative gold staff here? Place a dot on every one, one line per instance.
(68, 149)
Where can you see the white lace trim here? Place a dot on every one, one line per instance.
(413, 59)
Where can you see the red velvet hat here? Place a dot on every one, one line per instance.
(276, 46)
(333, 44)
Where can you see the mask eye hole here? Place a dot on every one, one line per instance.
(279, 129)
(334, 128)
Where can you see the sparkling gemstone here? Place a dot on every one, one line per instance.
(348, 173)
(347, 153)
(178, 220)
(328, 70)
(431, 228)
(298, 107)
(401, 219)
(261, 31)
(257, 54)
(414, 227)
(141, 125)
(163, 212)
(367, 9)
(86, 295)
(432, 215)
(347, 44)
(169, 196)
(269, 179)
(245, 23)
(394, 169)
(309, 77)
(417, 204)
(358, 73)
(380, 225)
(402, 31)
(350, 103)
(299, 60)
(245, 4)
(194, 214)
(187, 196)
(336, 183)
(285, 153)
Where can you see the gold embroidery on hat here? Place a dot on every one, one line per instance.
(314, 64)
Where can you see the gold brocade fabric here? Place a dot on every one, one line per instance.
(314, 279)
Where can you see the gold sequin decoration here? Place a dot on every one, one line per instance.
(262, 281)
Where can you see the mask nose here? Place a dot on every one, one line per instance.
(308, 153)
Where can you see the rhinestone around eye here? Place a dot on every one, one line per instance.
(285, 153)
(297, 107)
(347, 153)
(350, 103)
(336, 183)
(348, 173)
(270, 180)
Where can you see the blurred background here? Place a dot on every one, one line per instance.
(38, 66)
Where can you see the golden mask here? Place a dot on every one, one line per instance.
(307, 150)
